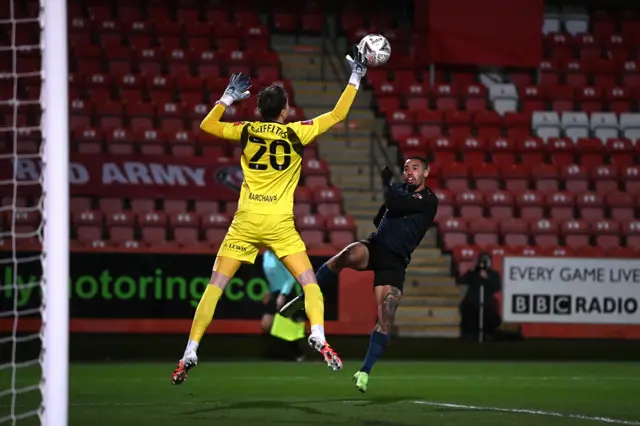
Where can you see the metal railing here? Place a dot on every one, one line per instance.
(341, 74)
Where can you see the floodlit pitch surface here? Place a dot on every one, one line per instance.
(400, 393)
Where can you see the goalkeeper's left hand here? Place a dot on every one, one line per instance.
(386, 174)
(237, 90)
(358, 64)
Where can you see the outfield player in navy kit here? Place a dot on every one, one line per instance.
(402, 221)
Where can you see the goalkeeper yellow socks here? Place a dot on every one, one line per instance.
(314, 305)
(204, 315)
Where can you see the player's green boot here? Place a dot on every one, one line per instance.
(361, 378)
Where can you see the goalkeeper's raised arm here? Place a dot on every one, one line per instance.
(237, 90)
(311, 129)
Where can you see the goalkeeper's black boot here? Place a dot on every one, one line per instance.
(293, 307)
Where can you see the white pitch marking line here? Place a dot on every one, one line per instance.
(528, 411)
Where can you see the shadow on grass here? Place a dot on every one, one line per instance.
(337, 416)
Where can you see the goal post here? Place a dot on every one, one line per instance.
(55, 174)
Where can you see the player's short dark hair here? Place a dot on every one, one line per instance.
(271, 101)
(423, 160)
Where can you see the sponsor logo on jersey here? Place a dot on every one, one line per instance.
(307, 122)
(263, 198)
(238, 123)
(417, 195)
(231, 177)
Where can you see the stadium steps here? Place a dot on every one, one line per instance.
(428, 331)
(410, 317)
(347, 151)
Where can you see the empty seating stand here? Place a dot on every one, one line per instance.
(142, 77)
(546, 162)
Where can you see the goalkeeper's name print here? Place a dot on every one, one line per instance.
(571, 290)
(137, 176)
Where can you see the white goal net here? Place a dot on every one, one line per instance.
(33, 213)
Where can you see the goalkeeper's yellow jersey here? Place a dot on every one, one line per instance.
(272, 154)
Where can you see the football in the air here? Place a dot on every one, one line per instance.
(376, 49)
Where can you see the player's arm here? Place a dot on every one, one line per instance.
(403, 204)
(339, 113)
(237, 90)
(309, 130)
(213, 126)
(379, 216)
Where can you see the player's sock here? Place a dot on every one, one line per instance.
(204, 315)
(325, 276)
(377, 343)
(314, 306)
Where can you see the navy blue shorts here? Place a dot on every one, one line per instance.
(388, 267)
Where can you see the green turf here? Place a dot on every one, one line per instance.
(310, 394)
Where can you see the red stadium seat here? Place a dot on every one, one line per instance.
(575, 233)
(311, 229)
(590, 251)
(120, 141)
(215, 226)
(575, 177)
(516, 177)
(502, 152)
(515, 232)
(185, 228)
(328, 201)
(303, 201)
(561, 205)
(590, 206)
(486, 176)
(90, 141)
(175, 206)
(470, 204)
(622, 253)
(454, 232)
(143, 205)
(342, 230)
(445, 203)
(121, 227)
(621, 205)
(153, 227)
(456, 177)
(77, 204)
(621, 152)
(631, 179)
(484, 231)
(561, 151)
(500, 204)
(606, 233)
(88, 225)
(530, 204)
(315, 173)
(545, 177)
(151, 142)
(181, 143)
(631, 230)
(545, 232)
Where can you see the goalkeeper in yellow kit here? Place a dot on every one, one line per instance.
(271, 163)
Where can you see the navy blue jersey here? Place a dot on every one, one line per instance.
(404, 219)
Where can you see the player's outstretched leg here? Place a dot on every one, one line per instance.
(354, 256)
(300, 267)
(223, 269)
(387, 298)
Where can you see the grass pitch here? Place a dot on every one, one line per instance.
(400, 393)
